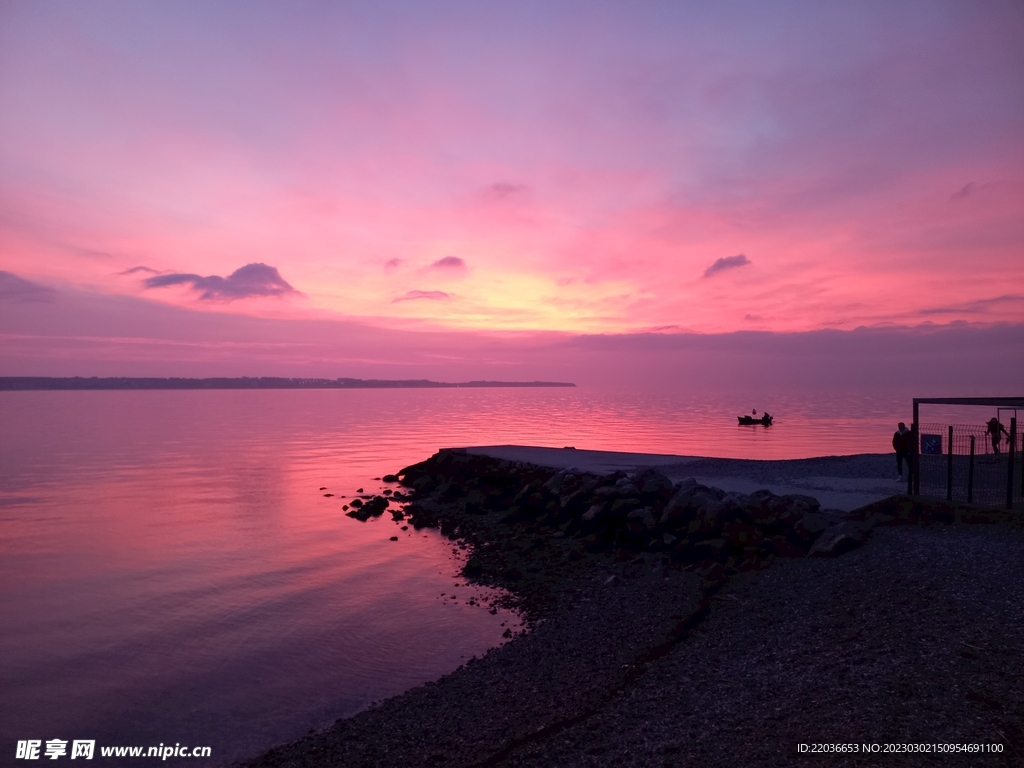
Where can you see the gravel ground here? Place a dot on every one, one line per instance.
(918, 636)
(569, 664)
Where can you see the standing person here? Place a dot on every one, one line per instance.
(903, 442)
(997, 430)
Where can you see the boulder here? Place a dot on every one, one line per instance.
(711, 549)
(794, 506)
(783, 547)
(764, 508)
(622, 507)
(710, 516)
(652, 483)
(641, 520)
(810, 526)
(838, 539)
(365, 510)
(683, 504)
(740, 534)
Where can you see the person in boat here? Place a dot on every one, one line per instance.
(766, 418)
(903, 442)
(996, 430)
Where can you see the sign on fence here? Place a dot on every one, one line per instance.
(931, 445)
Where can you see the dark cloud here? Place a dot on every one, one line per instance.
(391, 264)
(502, 190)
(449, 262)
(433, 295)
(965, 191)
(245, 282)
(978, 307)
(14, 288)
(133, 270)
(726, 262)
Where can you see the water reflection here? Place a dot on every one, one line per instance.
(170, 570)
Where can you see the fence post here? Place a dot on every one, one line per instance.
(1009, 463)
(949, 467)
(970, 474)
(914, 480)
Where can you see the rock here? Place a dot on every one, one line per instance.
(626, 487)
(357, 502)
(622, 507)
(810, 526)
(711, 549)
(328, 495)
(554, 483)
(513, 574)
(473, 568)
(838, 539)
(593, 512)
(390, 478)
(651, 482)
(710, 516)
(376, 505)
(640, 520)
(783, 547)
(668, 539)
(794, 506)
(740, 534)
(394, 538)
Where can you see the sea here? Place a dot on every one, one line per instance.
(173, 570)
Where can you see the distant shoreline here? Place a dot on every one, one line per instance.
(24, 383)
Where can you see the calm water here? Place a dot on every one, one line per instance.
(171, 572)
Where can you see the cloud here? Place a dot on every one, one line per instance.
(449, 262)
(965, 191)
(502, 190)
(391, 264)
(133, 270)
(979, 306)
(433, 295)
(14, 288)
(245, 282)
(727, 262)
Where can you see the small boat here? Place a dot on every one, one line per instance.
(749, 421)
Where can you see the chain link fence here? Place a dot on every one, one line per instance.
(979, 466)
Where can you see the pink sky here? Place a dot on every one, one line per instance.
(469, 169)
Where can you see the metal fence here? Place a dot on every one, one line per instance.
(959, 462)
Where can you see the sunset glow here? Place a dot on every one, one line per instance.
(562, 168)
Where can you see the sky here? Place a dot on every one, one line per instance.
(419, 182)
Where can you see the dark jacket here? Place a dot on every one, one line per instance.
(903, 441)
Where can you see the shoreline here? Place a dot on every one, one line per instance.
(614, 612)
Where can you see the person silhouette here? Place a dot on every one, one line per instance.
(996, 430)
(903, 442)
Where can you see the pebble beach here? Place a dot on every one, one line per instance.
(898, 622)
